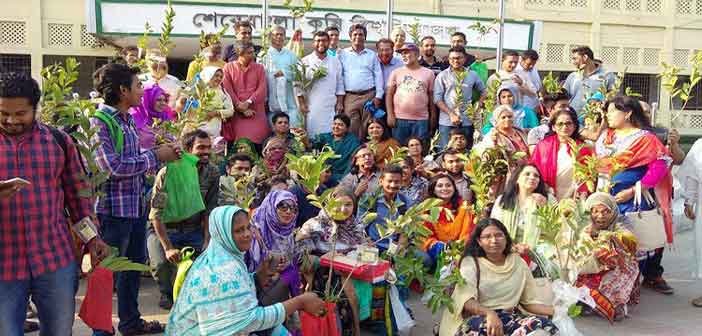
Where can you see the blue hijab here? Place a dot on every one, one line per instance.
(219, 294)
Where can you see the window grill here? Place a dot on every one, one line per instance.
(612, 4)
(87, 39)
(633, 5)
(13, 33)
(681, 57)
(16, 63)
(60, 35)
(651, 56)
(554, 53)
(653, 6)
(631, 56)
(610, 55)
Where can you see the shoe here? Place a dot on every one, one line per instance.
(166, 302)
(659, 285)
(30, 326)
(145, 328)
(697, 302)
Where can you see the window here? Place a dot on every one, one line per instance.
(695, 103)
(644, 84)
(15, 63)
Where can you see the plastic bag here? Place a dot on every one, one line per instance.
(320, 325)
(403, 320)
(364, 293)
(564, 296)
(96, 309)
(183, 187)
(186, 255)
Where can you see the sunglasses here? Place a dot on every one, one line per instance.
(287, 206)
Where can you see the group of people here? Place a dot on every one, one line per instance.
(251, 275)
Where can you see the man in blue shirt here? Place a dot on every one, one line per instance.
(363, 79)
(389, 61)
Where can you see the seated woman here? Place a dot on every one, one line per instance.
(316, 235)
(364, 174)
(413, 185)
(221, 103)
(341, 141)
(612, 273)
(553, 155)
(274, 223)
(447, 229)
(218, 296)
(273, 164)
(516, 208)
(380, 141)
(497, 281)
(506, 132)
(415, 150)
(154, 105)
(524, 117)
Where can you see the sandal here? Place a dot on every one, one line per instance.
(697, 302)
(146, 328)
(30, 326)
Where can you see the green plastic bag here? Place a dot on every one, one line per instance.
(183, 187)
(364, 293)
(186, 255)
(482, 70)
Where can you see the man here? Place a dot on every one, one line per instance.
(411, 111)
(326, 97)
(333, 32)
(121, 208)
(158, 74)
(508, 75)
(44, 177)
(211, 51)
(388, 58)
(166, 239)
(130, 55)
(454, 167)
(398, 39)
(239, 166)
(245, 82)
(383, 203)
(445, 97)
(278, 62)
(429, 59)
(243, 33)
(341, 141)
(281, 129)
(588, 78)
(458, 40)
(526, 69)
(554, 103)
(363, 79)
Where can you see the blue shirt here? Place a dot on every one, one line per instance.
(444, 90)
(382, 209)
(395, 63)
(362, 71)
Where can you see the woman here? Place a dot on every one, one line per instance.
(273, 161)
(457, 226)
(218, 296)
(516, 208)
(612, 272)
(274, 222)
(341, 141)
(221, 104)
(154, 105)
(553, 155)
(505, 133)
(415, 150)
(524, 117)
(364, 175)
(316, 235)
(380, 141)
(630, 154)
(497, 280)
(413, 185)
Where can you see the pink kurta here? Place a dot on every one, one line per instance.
(242, 84)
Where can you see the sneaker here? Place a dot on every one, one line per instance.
(166, 302)
(659, 285)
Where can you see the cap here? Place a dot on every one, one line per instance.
(410, 47)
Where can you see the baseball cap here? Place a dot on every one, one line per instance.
(410, 47)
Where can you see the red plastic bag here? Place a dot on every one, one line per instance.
(96, 309)
(320, 325)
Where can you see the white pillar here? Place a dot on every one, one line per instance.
(264, 15)
(500, 36)
(389, 17)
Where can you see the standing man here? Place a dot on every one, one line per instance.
(279, 76)
(507, 74)
(554, 103)
(243, 33)
(588, 78)
(526, 69)
(458, 40)
(398, 39)
(166, 239)
(333, 32)
(388, 58)
(211, 52)
(453, 165)
(363, 79)
(451, 116)
(40, 177)
(411, 111)
(158, 74)
(429, 59)
(121, 210)
(326, 97)
(130, 55)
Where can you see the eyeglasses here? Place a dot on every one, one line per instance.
(286, 206)
(564, 124)
(496, 236)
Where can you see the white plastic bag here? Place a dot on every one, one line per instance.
(564, 296)
(404, 321)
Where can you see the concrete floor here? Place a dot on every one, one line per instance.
(657, 314)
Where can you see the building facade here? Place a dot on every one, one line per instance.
(632, 36)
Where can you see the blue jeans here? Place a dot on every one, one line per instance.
(444, 136)
(164, 271)
(129, 236)
(405, 128)
(54, 295)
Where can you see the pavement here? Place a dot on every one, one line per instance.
(657, 314)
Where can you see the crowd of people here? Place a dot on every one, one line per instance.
(250, 276)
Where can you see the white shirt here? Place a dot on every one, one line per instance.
(532, 76)
(170, 84)
(321, 99)
(564, 174)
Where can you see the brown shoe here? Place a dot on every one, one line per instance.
(697, 302)
(659, 285)
(146, 328)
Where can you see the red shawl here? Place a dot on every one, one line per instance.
(545, 158)
(642, 152)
